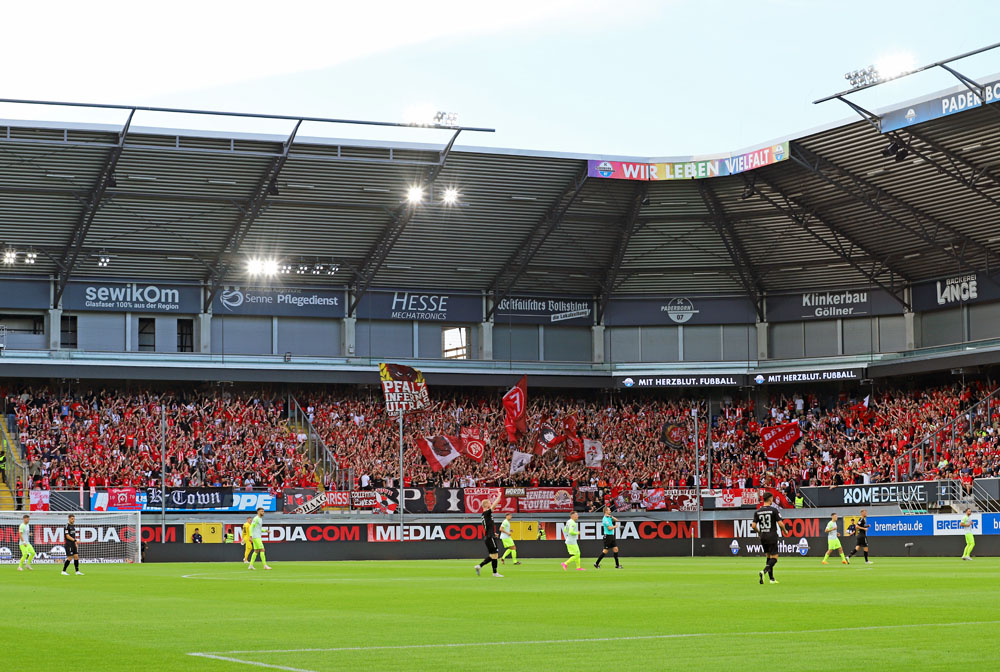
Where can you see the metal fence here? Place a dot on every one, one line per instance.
(315, 448)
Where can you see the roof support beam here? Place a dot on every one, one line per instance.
(734, 246)
(398, 221)
(248, 215)
(517, 263)
(91, 205)
(640, 197)
(804, 218)
(926, 227)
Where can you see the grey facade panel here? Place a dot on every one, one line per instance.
(891, 333)
(860, 336)
(166, 334)
(786, 341)
(659, 344)
(984, 321)
(702, 343)
(621, 344)
(100, 332)
(312, 337)
(515, 343)
(429, 341)
(568, 344)
(941, 327)
(241, 335)
(375, 338)
(821, 338)
(739, 342)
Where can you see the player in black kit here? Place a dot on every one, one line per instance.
(861, 536)
(490, 539)
(767, 523)
(70, 542)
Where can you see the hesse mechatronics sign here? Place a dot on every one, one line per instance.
(132, 296)
(528, 310)
(421, 306)
(279, 301)
(729, 164)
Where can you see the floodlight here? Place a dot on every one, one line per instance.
(415, 194)
(893, 65)
(9, 255)
(269, 267)
(103, 259)
(450, 196)
(255, 266)
(30, 257)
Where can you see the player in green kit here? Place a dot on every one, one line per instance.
(572, 533)
(24, 540)
(256, 538)
(833, 543)
(970, 539)
(508, 540)
(608, 524)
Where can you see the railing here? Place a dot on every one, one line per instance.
(14, 467)
(928, 444)
(316, 449)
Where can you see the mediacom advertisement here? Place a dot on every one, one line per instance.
(717, 166)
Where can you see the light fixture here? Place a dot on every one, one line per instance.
(445, 118)
(523, 198)
(375, 190)
(317, 269)
(894, 65)
(415, 194)
(270, 267)
(902, 154)
(912, 255)
(299, 185)
(286, 268)
(30, 257)
(302, 269)
(9, 256)
(332, 268)
(103, 259)
(227, 182)
(450, 196)
(255, 266)
(60, 176)
(142, 178)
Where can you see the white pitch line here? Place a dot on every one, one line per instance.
(249, 662)
(689, 635)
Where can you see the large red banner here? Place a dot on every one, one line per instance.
(778, 439)
(123, 499)
(515, 403)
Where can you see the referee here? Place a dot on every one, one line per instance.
(609, 524)
(861, 536)
(71, 551)
(489, 539)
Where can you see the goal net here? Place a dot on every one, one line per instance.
(101, 537)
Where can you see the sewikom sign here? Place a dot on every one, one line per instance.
(679, 310)
(831, 305)
(955, 291)
(421, 306)
(140, 297)
(280, 302)
(545, 310)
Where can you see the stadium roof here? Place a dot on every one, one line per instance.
(194, 205)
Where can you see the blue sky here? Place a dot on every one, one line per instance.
(643, 78)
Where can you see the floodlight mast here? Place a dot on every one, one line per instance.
(943, 64)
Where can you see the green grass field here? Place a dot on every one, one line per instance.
(655, 614)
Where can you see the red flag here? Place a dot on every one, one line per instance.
(573, 450)
(544, 436)
(778, 439)
(473, 446)
(439, 451)
(515, 404)
(384, 503)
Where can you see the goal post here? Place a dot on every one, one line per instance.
(101, 537)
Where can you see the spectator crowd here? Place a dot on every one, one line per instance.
(242, 440)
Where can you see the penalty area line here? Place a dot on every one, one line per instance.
(683, 635)
(240, 661)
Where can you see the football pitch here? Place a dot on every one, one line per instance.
(654, 614)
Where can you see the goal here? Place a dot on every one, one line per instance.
(101, 537)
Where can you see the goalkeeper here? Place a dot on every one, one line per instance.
(247, 543)
(24, 540)
(256, 537)
(572, 533)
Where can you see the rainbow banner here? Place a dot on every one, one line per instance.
(730, 164)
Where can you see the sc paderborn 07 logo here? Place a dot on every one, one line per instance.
(679, 309)
(628, 382)
(605, 169)
(759, 379)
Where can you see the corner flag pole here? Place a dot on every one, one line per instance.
(402, 508)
